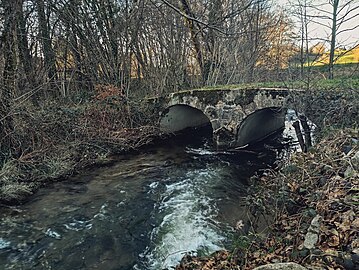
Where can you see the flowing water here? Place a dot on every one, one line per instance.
(144, 212)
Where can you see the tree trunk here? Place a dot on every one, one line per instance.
(214, 20)
(8, 89)
(75, 46)
(23, 46)
(49, 55)
(333, 39)
(195, 40)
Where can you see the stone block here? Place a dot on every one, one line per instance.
(281, 266)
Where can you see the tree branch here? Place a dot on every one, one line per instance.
(342, 19)
(345, 5)
(192, 18)
(348, 29)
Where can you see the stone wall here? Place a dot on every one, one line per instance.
(226, 108)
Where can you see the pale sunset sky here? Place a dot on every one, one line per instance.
(346, 38)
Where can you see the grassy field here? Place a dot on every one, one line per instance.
(343, 83)
(346, 77)
(341, 56)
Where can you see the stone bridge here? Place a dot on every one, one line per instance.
(237, 116)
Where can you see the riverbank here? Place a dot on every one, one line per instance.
(52, 141)
(318, 187)
(314, 201)
(56, 141)
(59, 141)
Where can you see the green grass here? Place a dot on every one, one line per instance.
(346, 77)
(321, 84)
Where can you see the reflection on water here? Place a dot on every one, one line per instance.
(144, 212)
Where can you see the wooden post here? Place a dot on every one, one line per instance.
(307, 137)
(299, 136)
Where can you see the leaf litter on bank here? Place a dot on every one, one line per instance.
(314, 200)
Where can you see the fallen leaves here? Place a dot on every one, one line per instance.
(313, 184)
(220, 260)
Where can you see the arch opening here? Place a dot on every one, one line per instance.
(259, 125)
(178, 118)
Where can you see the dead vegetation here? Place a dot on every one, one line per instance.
(321, 185)
(314, 201)
(56, 141)
(312, 198)
(331, 108)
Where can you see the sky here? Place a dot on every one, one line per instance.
(347, 39)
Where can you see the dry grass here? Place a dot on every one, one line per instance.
(56, 141)
(12, 184)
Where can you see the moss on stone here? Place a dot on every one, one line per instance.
(245, 97)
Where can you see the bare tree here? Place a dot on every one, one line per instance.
(22, 42)
(46, 41)
(300, 11)
(160, 45)
(332, 15)
(9, 73)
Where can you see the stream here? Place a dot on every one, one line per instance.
(146, 211)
